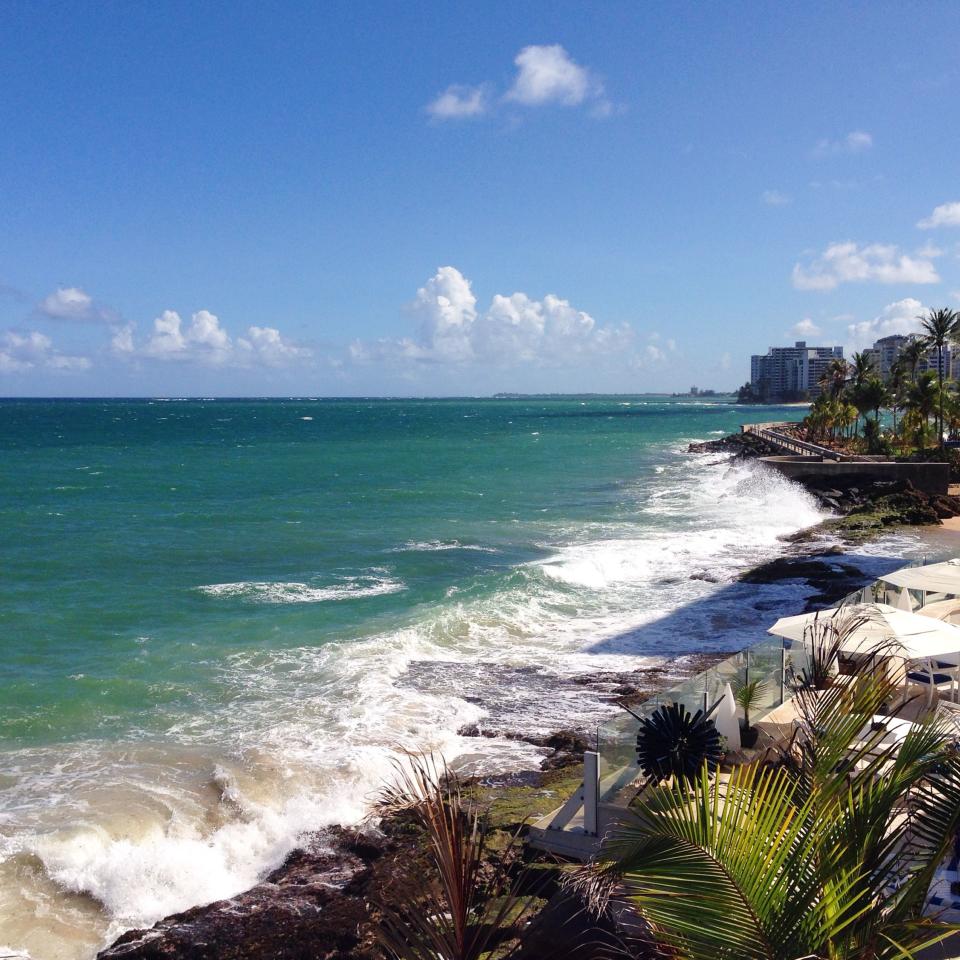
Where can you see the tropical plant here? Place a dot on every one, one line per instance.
(456, 906)
(911, 354)
(922, 402)
(672, 742)
(861, 367)
(870, 395)
(749, 695)
(897, 386)
(828, 853)
(940, 327)
(834, 377)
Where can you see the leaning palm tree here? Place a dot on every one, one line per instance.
(940, 327)
(828, 853)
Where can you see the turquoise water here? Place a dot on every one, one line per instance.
(117, 514)
(221, 619)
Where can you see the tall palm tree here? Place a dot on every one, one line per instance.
(834, 377)
(873, 394)
(861, 367)
(922, 400)
(897, 385)
(940, 327)
(809, 857)
(911, 355)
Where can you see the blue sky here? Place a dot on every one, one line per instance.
(362, 198)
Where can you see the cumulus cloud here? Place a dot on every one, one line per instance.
(857, 141)
(850, 263)
(266, 346)
(514, 329)
(203, 340)
(898, 317)
(774, 198)
(546, 74)
(805, 328)
(72, 303)
(458, 102)
(946, 215)
(28, 351)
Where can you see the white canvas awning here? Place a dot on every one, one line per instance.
(912, 636)
(933, 578)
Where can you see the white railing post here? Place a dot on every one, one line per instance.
(591, 791)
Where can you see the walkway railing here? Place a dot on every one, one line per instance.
(770, 433)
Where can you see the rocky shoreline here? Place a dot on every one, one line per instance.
(319, 903)
(861, 509)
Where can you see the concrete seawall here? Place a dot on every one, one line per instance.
(928, 477)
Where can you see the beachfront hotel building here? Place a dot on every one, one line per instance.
(789, 374)
(885, 352)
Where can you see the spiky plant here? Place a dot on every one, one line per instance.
(460, 903)
(672, 742)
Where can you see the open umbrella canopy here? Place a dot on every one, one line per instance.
(870, 626)
(933, 578)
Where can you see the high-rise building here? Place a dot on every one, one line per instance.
(787, 374)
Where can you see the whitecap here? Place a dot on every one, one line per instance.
(261, 591)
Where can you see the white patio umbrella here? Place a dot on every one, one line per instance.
(903, 601)
(914, 636)
(725, 719)
(933, 578)
(947, 610)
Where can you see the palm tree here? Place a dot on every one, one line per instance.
(861, 367)
(911, 355)
(922, 400)
(940, 327)
(834, 377)
(897, 385)
(812, 856)
(872, 394)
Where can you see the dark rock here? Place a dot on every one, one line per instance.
(313, 906)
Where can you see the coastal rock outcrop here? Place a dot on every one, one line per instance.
(313, 906)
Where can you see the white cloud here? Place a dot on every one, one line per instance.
(458, 102)
(265, 345)
(805, 328)
(204, 341)
(899, 317)
(850, 263)
(857, 141)
(514, 329)
(22, 352)
(72, 303)
(547, 74)
(122, 340)
(774, 198)
(946, 215)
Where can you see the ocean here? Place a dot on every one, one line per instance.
(220, 619)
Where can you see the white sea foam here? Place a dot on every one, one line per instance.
(256, 591)
(435, 546)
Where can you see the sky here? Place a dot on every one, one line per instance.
(349, 199)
